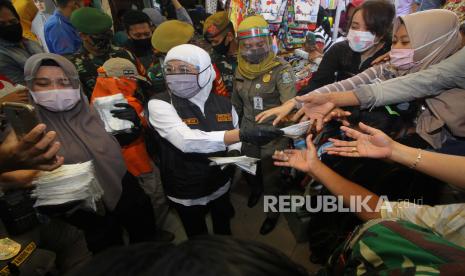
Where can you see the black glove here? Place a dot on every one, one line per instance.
(233, 153)
(260, 135)
(128, 113)
(125, 138)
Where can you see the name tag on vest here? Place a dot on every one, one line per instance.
(191, 121)
(224, 117)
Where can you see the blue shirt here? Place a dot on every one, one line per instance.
(428, 4)
(61, 37)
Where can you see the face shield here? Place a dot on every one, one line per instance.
(254, 45)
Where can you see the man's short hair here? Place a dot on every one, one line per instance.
(63, 3)
(133, 17)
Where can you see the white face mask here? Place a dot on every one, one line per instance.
(57, 100)
(360, 41)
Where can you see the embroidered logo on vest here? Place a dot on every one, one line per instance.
(191, 121)
(224, 117)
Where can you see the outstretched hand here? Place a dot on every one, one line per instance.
(303, 160)
(373, 143)
(316, 107)
(279, 112)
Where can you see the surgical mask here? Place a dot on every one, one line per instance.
(12, 33)
(183, 85)
(402, 59)
(360, 41)
(57, 100)
(221, 48)
(255, 56)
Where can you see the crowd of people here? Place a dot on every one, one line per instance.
(386, 107)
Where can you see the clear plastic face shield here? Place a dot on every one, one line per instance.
(254, 45)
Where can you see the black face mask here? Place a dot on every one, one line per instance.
(12, 33)
(103, 44)
(255, 56)
(142, 46)
(221, 48)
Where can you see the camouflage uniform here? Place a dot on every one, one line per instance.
(396, 247)
(87, 65)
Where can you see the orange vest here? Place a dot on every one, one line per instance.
(135, 154)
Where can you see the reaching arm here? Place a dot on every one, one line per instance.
(366, 77)
(181, 12)
(376, 144)
(169, 125)
(445, 75)
(307, 161)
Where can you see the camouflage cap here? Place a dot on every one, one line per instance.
(171, 33)
(91, 21)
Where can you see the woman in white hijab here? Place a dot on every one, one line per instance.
(192, 125)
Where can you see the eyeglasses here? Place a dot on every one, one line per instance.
(180, 70)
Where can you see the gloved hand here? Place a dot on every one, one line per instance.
(233, 153)
(125, 138)
(260, 135)
(128, 113)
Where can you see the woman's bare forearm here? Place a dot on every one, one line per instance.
(340, 186)
(447, 168)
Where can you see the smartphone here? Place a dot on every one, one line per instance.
(22, 117)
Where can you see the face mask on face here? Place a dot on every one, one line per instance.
(57, 100)
(255, 56)
(12, 33)
(360, 41)
(221, 48)
(402, 59)
(103, 43)
(184, 85)
(142, 45)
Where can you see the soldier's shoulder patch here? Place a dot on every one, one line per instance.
(286, 77)
(226, 117)
(191, 121)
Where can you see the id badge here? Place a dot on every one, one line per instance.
(258, 103)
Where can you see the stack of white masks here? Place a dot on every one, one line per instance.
(104, 105)
(245, 163)
(68, 183)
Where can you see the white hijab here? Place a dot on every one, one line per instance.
(198, 57)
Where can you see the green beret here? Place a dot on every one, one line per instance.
(91, 21)
(170, 34)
